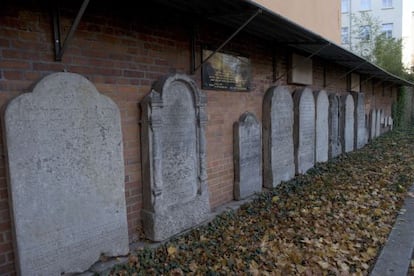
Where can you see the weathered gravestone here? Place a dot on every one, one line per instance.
(322, 126)
(347, 123)
(359, 116)
(378, 123)
(335, 147)
(175, 194)
(65, 159)
(247, 156)
(304, 129)
(373, 132)
(277, 136)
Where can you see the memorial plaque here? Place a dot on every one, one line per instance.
(175, 195)
(247, 156)
(226, 72)
(278, 155)
(65, 159)
(347, 123)
(359, 128)
(378, 123)
(304, 130)
(335, 147)
(373, 132)
(322, 126)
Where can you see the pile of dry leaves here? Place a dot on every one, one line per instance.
(333, 220)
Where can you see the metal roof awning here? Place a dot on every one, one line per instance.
(272, 27)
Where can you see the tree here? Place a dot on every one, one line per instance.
(376, 46)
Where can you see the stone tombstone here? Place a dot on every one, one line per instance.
(321, 126)
(279, 164)
(66, 176)
(390, 122)
(304, 129)
(373, 125)
(347, 123)
(247, 156)
(175, 194)
(335, 147)
(359, 116)
(378, 123)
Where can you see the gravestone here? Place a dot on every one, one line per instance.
(277, 136)
(65, 159)
(347, 123)
(175, 194)
(373, 126)
(322, 126)
(359, 128)
(304, 129)
(390, 122)
(378, 123)
(335, 147)
(247, 156)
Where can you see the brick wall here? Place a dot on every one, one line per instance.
(122, 55)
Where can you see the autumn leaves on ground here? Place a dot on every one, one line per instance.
(332, 221)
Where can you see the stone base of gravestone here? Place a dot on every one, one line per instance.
(66, 174)
(175, 195)
(247, 156)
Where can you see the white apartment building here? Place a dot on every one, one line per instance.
(396, 19)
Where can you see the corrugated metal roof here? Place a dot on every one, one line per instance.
(277, 29)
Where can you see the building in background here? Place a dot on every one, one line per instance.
(396, 19)
(320, 16)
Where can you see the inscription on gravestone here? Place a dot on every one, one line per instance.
(304, 130)
(335, 147)
(322, 127)
(66, 168)
(175, 195)
(347, 123)
(359, 128)
(248, 156)
(278, 136)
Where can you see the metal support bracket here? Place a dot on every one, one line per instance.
(59, 47)
(228, 39)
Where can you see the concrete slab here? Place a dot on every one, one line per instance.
(395, 256)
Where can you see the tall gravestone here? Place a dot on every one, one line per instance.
(65, 160)
(304, 130)
(175, 194)
(373, 125)
(335, 147)
(378, 123)
(359, 115)
(277, 136)
(347, 123)
(247, 156)
(322, 126)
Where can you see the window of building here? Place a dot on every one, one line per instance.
(365, 5)
(344, 6)
(387, 29)
(365, 33)
(344, 35)
(386, 4)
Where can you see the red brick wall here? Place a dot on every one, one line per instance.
(122, 56)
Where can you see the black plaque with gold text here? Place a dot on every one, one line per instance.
(226, 72)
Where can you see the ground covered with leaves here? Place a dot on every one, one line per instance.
(333, 220)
